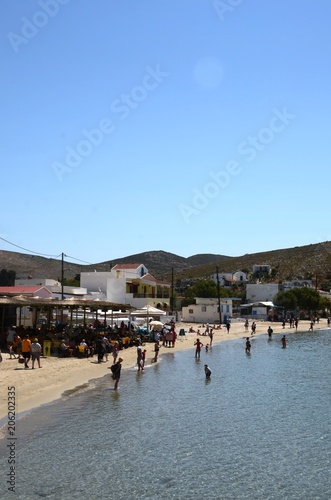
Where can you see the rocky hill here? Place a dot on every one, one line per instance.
(310, 261)
(158, 263)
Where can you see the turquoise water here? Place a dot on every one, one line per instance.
(259, 429)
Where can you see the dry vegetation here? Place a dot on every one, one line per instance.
(306, 262)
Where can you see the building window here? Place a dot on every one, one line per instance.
(190, 311)
(203, 309)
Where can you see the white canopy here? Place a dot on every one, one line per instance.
(148, 311)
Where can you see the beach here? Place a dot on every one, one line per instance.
(36, 387)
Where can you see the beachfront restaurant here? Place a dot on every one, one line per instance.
(43, 310)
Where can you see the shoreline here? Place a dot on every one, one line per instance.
(34, 388)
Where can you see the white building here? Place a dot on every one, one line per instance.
(261, 269)
(207, 311)
(227, 279)
(25, 315)
(128, 284)
(54, 286)
(257, 310)
(288, 285)
(261, 292)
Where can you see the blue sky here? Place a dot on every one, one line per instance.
(189, 126)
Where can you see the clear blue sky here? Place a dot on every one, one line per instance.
(189, 126)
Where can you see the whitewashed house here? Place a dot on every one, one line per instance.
(240, 277)
(206, 310)
(229, 279)
(128, 284)
(288, 285)
(54, 287)
(258, 292)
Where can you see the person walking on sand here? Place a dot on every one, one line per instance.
(198, 345)
(10, 342)
(99, 349)
(26, 350)
(117, 372)
(156, 350)
(211, 335)
(35, 353)
(115, 352)
(174, 336)
(17, 347)
(228, 326)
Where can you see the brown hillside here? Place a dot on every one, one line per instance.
(299, 262)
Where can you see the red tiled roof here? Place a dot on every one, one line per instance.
(149, 277)
(127, 266)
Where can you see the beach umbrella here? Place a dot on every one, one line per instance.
(156, 324)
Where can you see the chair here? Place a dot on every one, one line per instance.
(182, 333)
(82, 351)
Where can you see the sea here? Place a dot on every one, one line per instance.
(259, 429)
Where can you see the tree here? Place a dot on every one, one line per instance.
(288, 300)
(308, 299)
(7, 278)
(305, 298)
(205, 289)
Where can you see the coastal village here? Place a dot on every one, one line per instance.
(128, 294)
(131, 310)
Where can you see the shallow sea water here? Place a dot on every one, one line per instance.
(259, 429)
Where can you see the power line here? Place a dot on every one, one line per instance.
(79, 260)
(30, 251)
(44, 254)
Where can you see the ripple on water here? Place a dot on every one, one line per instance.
(258, 430)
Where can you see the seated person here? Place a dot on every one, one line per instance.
(83, 348)
(64, 349)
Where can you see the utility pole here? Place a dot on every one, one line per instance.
(62, 276)
(218, 295)
(172, 290)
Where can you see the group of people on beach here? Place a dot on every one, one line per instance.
(24, 350)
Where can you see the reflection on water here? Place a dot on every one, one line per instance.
(258, 429)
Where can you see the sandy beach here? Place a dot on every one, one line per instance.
(58, 375)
